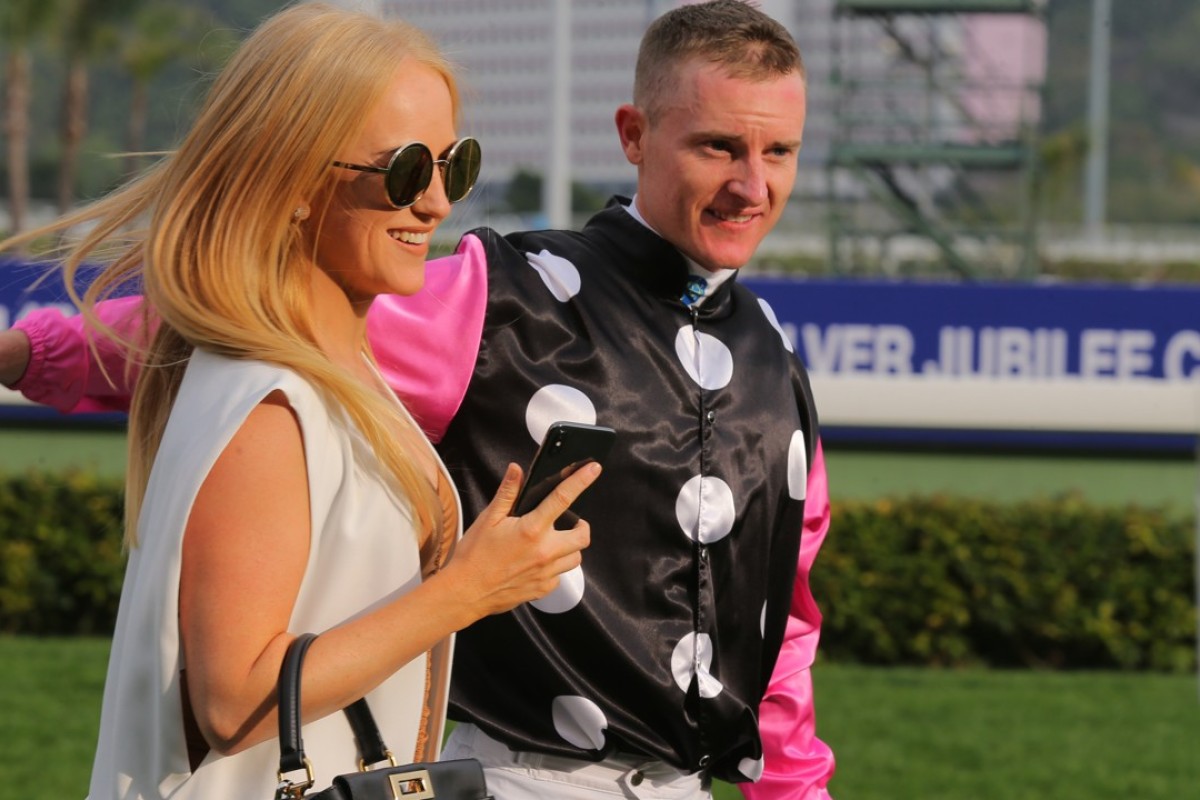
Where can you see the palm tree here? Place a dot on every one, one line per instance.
(22, 24)
(159, 36)
(87, 32)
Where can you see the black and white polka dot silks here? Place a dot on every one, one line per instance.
(663, 640)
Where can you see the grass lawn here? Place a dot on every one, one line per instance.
(48, 448)
(50, 692)
(1009, 477)
(899, 734)
(984, 735)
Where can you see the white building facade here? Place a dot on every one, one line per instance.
(511, 74)
(505, 50)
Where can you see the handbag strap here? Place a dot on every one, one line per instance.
(371, 747)
(291, 748)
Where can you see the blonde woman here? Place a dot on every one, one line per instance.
(276, 486)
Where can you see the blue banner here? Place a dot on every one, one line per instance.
(981, 363)
(988, 363)
(998, 331)
(26, 287)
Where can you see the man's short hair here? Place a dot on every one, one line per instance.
(739, 37)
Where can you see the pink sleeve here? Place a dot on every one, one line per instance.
(426, 344)
(63, 371)
(797, 765)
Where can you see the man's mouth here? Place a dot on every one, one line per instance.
(731, 217)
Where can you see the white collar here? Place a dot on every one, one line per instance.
(714, 278)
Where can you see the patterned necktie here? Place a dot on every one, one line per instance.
(694, 291)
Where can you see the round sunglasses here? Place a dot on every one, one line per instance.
(410, 170)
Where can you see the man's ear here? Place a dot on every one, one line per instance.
(631, 127)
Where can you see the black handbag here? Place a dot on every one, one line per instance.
(460, 779)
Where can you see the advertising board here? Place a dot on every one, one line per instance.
(1072, 365)
(992, 364)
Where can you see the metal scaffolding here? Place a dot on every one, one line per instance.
(933, 166)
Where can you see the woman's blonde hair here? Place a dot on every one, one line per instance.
(220, 259)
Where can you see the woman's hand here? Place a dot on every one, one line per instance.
(503, 561)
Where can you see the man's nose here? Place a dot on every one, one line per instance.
(749, 181)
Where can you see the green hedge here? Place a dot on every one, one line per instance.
(61, 560)
(1057, 583)
(922, 580)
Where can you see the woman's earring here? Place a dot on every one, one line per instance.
(300, 214)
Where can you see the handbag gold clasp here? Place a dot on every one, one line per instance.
(287, 789)
(365, 767)
(413, 785)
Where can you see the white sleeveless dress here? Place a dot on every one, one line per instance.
(363, 553)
